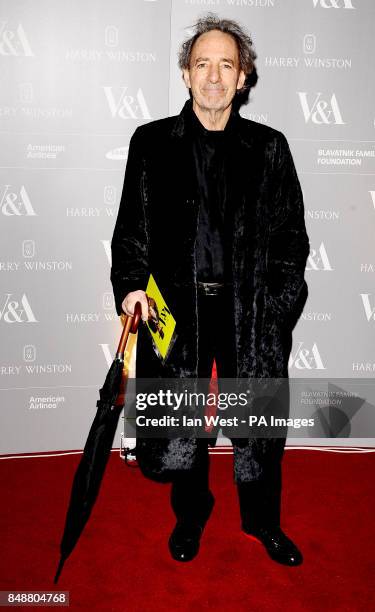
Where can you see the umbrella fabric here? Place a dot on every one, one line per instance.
(90, 471)
(97, 450)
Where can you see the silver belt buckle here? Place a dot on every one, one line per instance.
(210, 288)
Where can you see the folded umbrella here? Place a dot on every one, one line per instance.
(97, 449)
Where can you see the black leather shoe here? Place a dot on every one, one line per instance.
(185, 538)
(279, 547)
(184, 541)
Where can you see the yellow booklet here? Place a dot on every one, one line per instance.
(161, 322)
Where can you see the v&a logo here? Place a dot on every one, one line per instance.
(14, 311)
(107, 248)
(126, 106)
(128, 355)
(327, 4)
(318, 260)
(321, 111)
(12, 203)
(369, 310)
(14, 42)
(306, 359)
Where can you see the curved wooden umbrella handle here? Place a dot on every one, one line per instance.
(136, 318)
(130, 326)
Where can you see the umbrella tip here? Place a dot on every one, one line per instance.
(59, 570)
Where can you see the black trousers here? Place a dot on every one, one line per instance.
(259, 500)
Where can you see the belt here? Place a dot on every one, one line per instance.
(210, 288)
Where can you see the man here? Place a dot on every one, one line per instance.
(213, 208)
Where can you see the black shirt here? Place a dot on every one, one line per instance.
(210, 150)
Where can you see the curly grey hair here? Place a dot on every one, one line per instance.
(246, 52)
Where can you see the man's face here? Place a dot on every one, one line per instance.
(214, 73)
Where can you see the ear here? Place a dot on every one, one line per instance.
(241, 79)
(186, 77)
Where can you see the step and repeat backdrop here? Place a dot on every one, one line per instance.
(77, 78)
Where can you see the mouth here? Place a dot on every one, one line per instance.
(214, 91)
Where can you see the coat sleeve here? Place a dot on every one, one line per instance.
(288, 246)
(129, 245)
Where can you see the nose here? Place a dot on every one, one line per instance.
(214, 74)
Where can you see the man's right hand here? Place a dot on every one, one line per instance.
(130, 301)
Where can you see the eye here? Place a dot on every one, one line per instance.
(201, 65)
(227, 65)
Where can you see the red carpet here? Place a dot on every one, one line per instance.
(122, 560)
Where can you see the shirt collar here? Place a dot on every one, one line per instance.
(187, 120)
(201, 129)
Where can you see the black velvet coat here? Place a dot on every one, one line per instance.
(266, 242)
